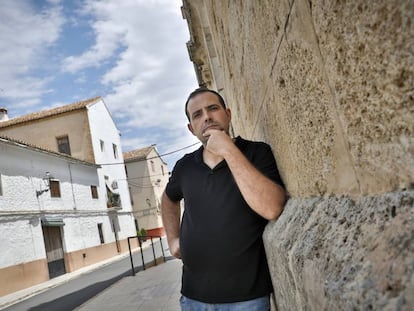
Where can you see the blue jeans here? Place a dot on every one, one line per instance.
(258, 304)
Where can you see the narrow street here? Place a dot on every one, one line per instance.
(76, 291)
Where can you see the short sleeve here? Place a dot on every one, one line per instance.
(265, 162)
(173, 189)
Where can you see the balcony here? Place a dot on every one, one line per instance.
(114, 200)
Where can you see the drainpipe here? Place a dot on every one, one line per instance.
(71, 184)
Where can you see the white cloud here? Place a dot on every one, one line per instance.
(24, 38)
(151, 38)
(109, 37)
(137, 61)
(152, 74)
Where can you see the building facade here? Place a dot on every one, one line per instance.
(147, 177)
(53, 219)
(84, 132)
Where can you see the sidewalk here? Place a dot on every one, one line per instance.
(155, 289)
(157, 284)
(20, 295)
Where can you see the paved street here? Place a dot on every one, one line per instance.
(155, 289)
(110, 284)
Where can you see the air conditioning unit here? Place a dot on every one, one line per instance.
(114, 185)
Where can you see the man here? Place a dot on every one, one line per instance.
(231, 188)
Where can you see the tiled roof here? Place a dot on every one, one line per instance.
(47, 113)
(137, 154)
(23, 144)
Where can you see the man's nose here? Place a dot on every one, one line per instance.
(206, 116)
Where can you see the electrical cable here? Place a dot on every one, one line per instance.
(154, 157)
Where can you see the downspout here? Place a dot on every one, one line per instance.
(71, 184)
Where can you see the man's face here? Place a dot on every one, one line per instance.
(205, 112)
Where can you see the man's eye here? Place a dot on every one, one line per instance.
(196, 115)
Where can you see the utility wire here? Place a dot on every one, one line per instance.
(131, 178)
(154, 157)
(171, 152)
(140, 186)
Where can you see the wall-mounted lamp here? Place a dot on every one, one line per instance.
(46, 180)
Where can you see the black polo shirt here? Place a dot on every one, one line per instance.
(221, 236)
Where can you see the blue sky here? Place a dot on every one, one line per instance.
(131, 52)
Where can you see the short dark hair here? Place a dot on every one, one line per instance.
(199, 91)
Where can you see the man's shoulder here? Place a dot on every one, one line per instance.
(245, 143)
(189, 157)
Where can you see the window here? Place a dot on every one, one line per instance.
(131, 197)
(152, 166)
(115, 151)
(101, 237)
(94, 192)
(162, 170)
(54, 189)
(102, 145)
(1, 188)
(63, 144)
(114, 199)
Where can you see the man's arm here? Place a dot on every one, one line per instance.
(262, 195)
(171, 213)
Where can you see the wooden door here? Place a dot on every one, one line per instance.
(54, 251)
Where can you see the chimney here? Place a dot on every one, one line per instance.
(3, 114)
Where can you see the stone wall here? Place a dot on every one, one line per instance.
(329, 85)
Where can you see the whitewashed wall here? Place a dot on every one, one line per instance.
(20, 241)
(21, 170)
(102, 127)
(83, 231)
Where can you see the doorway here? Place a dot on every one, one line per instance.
(54, 250)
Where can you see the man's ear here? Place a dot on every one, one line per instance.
(228, 111)
(190, 128)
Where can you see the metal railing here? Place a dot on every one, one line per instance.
(144, 238)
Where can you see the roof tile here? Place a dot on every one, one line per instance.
(138, 154)
(48, 113)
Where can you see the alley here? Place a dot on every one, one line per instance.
(71, 292)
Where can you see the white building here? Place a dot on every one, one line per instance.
(147, 177)
(52, 217)
(84, 131)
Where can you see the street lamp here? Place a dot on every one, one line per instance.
(46, 180)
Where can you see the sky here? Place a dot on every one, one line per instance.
(132, 53)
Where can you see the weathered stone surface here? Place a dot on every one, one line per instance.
(367, 50)
(336, 253)
(329, 85)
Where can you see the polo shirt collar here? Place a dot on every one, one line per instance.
(198, 156)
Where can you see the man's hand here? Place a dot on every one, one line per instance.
(174, 245)
(219, 143)
(262, 195)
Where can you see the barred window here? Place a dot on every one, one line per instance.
(94, 192)
(55, 189)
